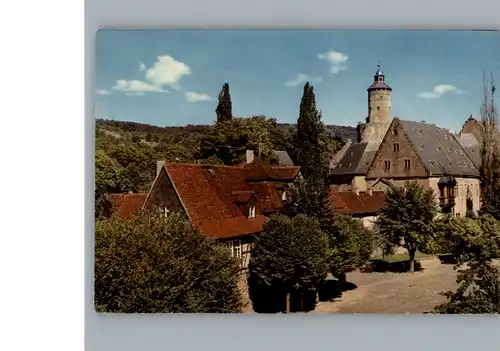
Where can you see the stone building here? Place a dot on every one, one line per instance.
(390, 151)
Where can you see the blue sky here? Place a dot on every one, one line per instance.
(173, 77)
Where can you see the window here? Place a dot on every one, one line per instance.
(394, 132)
(251, 212)
(236, 248)
(396, 146)
(378, 108)
(407, 164)
(387, 165)
(283, 196)
(456, 190)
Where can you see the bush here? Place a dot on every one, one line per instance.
(152, 264)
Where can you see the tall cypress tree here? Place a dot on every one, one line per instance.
(224, 109)
(310, 144)
(309, 195)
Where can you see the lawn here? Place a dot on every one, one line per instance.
(401, 257)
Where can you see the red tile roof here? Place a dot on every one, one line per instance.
(212, 194)
(348, 202)
(127, 205)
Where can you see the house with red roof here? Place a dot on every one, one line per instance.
(227, 203)
(364, 205)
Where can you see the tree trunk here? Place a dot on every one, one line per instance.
(342, 280)
(412, 260)
(288, 303)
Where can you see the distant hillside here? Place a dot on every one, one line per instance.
(343, 132)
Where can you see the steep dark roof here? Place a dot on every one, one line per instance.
(439, 149)
(471, 146)
(356, 159)
(379, 85)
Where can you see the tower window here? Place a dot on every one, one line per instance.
(395, 132)
(378, 108)
(407, 164)
(387, 165)
(396, 146)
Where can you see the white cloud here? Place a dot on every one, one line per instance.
(165, 72)
(439, 90)
(336, 59)
(103, 92)
(191, 96)
(301, 79)
(136, 87)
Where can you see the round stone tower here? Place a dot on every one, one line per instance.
(379, 99)
(379, 110)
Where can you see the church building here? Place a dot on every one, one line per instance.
(389, 151)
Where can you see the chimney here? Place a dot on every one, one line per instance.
(159, 165)
(359, 131)
(250, 156)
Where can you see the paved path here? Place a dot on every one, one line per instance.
(394, 292)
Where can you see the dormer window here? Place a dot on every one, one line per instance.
(251, 212)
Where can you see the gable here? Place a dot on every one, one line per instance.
(381, 185)
(163, 194)
(396, 149)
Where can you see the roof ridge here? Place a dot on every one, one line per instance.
(192, 164)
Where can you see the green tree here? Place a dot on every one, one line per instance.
(311, 145)
(309, 197)
(227, 141)
(290, 257)
(490, 153)
(407, 219)
(106, 181)
(351, 245)
(474, 243)
(224, 109)
(152, 264)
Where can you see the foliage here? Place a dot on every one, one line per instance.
(106, 180)
(407, 219)
(310, 198)
(289, 257)
(227, 141)
(475, 243)
(351, 243)
(490, 154)
(224, 109)
(152, 264)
